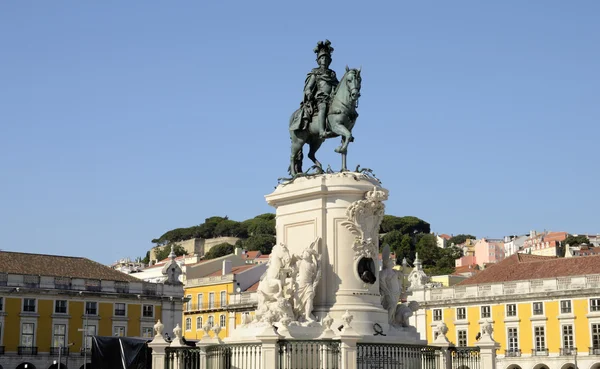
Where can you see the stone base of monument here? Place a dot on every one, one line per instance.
(338, 216)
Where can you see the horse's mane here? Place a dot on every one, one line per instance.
(343, 80)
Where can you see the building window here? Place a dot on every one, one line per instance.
(60, 307)
(29, 305)
(462, 338)
(513, 340)
(91, 308)
(27, 334)
(211, 321)
(58, 339)
(211, 300)
(119, 331)
(594, 304)
(538, 308)
(540, 338)
(565, 307)
(188, 324)
(119, 309)
(437, 314)
(567, 331)
(595, 336)
(200, 301)
(148, 311)
(223, 298)
(511, 310)
(199, 323)
(486, 312)
(461, 313)
(188, 305)
(1, 303)
(147, 332)
(91, 332)
(222, 321)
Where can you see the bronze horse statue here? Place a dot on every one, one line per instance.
(341, 118)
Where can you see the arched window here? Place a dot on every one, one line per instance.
(199, 323)
(188, 324)
(222, 321)
(211, 321)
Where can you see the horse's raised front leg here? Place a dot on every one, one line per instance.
(336, 121)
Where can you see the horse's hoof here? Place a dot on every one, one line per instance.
(338, 150)
(351, 139)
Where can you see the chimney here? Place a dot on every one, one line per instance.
(226, 267)
(238, 251)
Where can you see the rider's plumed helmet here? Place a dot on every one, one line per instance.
(323, 48)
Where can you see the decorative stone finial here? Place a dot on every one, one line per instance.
(486, 328)
(177, 331)
(347, 319)
(442, 329)
(327, 322)
(404, 263)
(206, 329)
(158, 328)
(216, 329)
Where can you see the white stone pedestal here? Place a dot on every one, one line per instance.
(317, 207)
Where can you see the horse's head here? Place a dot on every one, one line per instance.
(353, 80)
(282, 253)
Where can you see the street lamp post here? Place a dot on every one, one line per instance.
(84, 334)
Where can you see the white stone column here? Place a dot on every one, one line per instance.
(158, 346)
(269, 357)
(444, 344)
(318, 207)
(487, 347)
(348, 351)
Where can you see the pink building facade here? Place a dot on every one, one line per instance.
(465, 261)
(489, 251)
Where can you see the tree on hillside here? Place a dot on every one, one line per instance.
(460, 238)
(230, 228)
(207, 229)
(163, 252)
(406, 225)
(576, 240)
(260, 242)
(219, 250)
(400, 244)
(146, 259)
(262, 224)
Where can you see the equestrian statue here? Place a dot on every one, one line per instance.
(327, 110)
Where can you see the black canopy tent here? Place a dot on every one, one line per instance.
(121, 353)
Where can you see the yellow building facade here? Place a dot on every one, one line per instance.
(57, 311)
(219, 299)
(548, 322)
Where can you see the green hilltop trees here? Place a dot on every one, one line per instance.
(406, 236)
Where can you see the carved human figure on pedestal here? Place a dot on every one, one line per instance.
(389, 285)
(287, 289)
(271, 283)
(309, 275)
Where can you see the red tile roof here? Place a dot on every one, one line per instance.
(252, 288)
(251, 255)
(234, 270)
(466, 269)
(59, 266)
(521, 267)
(445, 236)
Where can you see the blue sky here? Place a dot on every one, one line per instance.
(122, 120)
